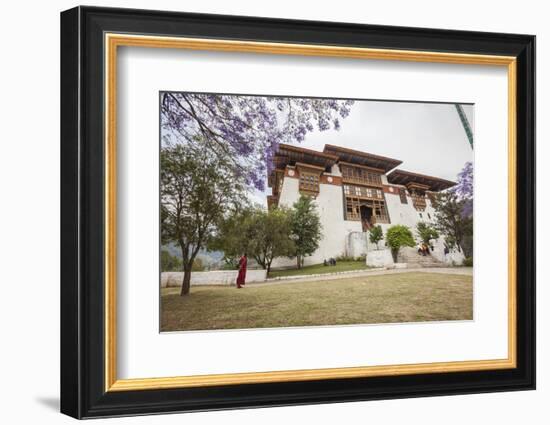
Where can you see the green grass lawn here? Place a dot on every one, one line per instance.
(405, 297)
(341, 266)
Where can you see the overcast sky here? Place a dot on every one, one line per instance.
(427, 137)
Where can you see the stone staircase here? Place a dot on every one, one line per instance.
(414, 259)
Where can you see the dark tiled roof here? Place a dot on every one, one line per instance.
(362, 158)
(403, 177)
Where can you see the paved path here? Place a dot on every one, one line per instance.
(468, 271)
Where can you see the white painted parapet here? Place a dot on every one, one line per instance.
(330, 206)
(380, 258)
(453, 258)
(215, 277)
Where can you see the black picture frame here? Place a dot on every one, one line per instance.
(83, 392)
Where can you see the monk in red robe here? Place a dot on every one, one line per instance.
(241, 277)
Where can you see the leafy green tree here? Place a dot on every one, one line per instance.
(233, 236)
(169, 262)
(263, 235)
(376, 234)
(305, 228)
(398, 236)
(426, 232)
(197, 191)
(270, 236)
(453, 223)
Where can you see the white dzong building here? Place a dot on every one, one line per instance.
(353, 191)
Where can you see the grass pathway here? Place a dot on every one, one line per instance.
(321, 269)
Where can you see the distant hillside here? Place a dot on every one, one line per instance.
(210, 259)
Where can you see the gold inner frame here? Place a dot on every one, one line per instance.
(113, 41)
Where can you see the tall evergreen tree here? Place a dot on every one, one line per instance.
(305, 228)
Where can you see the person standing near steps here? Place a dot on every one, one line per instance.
(241, 277)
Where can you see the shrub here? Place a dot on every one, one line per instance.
(376, 235)
(468, 262)
(230, 265)
(347, 258)
(425, 232)
(398, 236)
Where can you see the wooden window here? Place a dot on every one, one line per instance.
(360, 175)
(380, 212)
(419, 200)
(272, 202)
(403, 196)
(352, 209)
(363, 192)
(378, 207)
(309, 182)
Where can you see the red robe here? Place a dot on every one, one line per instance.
(241, 277)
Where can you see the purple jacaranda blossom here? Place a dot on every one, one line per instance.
(246, 129)
(464, 189)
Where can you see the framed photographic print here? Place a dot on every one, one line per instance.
(261, 212)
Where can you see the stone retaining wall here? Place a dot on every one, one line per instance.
(356, 244)
(216, 277)
(380, 258)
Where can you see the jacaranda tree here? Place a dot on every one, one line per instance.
(246, 130)
(463, 198)
(464, 189)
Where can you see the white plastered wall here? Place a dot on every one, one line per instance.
(336, 229)
(330, 207)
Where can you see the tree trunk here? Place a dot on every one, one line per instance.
(186, 284)
(299, 261)
(261, 261)
(187, 266)
(394, 253)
